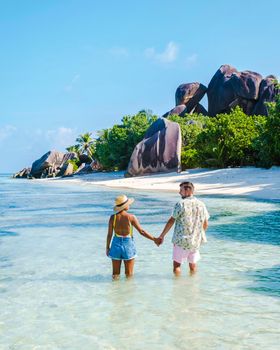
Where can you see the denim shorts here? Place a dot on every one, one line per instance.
(122, 248)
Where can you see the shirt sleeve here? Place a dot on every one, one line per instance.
(205, 213)
(176, 210)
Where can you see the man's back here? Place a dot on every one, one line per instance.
(189, 214)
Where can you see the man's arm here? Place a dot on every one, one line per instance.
(205, 225)
(167, 227)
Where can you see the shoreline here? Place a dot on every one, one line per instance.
(253, 182)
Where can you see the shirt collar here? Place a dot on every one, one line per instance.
(190, 197)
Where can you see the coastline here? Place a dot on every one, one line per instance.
(253, 182)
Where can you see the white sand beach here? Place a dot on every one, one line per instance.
(248, 181)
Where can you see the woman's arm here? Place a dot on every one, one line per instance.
(109, 235)
(134, 221)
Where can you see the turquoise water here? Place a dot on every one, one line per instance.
(55, 280)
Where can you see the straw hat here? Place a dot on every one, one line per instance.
(121, 202)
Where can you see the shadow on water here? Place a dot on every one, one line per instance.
(266, 281)
(264, 229)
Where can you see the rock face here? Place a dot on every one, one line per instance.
(47, 164)
(180, 110)
(54, 164)
(22, 174)
(267, 93)
(190, 95)
(227, 89)
(187, 99)
(159, 151)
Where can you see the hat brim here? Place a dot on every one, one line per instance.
(125, 205)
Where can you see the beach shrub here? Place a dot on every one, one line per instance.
(191, 127)
(230, 139)
(269, 143)
(75, 163)
(114, 146)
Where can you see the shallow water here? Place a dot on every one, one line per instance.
(55, 283)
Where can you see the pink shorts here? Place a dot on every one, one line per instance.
(181, 255)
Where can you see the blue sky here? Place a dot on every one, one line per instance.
(69, 66)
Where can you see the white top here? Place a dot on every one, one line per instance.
(189, 214)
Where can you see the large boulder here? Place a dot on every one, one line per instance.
(159, 151)
(267, 93)
(48, 163)
(84, 158)
(69, 156)
(220, 92)
(84, 169)
(187, 99)
(199, 109)
(246, 84)
(22, 174)
(67, 169)
(229, 88)
(180, 110)
(189, 94)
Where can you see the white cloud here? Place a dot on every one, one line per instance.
(7, 131)
(119, 51)
(191, 60)
(167, 56)
(74, 80)
(60, 138)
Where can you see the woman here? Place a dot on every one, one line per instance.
(122, 246)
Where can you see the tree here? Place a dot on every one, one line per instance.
(191, 126)
(114, 146)
(230, 139)
(74, 149)
(85, 144)
(269, 143)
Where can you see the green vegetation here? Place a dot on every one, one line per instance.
(233, 139)
(114, 146)
(191, 126)
(269, 142)
(75, 163)
(85, 145)
(230, 139)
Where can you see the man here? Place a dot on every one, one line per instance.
(191, 221)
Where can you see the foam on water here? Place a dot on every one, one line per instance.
(55, 284)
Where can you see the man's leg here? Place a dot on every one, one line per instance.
(193, 258)
(193, 268)
(129, 267)
(176, 268)
(116, 269)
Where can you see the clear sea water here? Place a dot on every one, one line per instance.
(56, 290)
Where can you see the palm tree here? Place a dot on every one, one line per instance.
(85, 144)
(74, 149)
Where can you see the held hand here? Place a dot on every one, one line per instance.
(158, 241)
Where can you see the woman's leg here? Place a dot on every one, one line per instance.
(116, 264)
(129, 267)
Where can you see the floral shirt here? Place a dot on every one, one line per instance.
(189, 214)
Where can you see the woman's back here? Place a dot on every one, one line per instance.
(122, 223)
